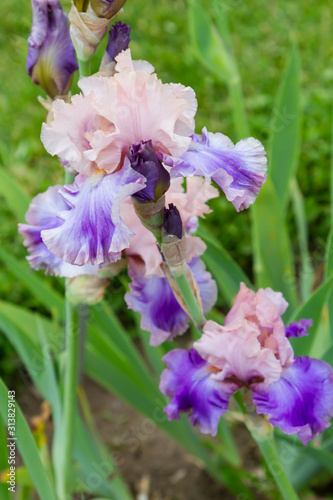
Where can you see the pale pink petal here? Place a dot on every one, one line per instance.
(237, 352)
(125, 63)
(145, 258)
(71, 131)
(186, 122)
(143, 109)
(264, 309)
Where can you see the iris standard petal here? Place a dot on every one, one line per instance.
(239, 169)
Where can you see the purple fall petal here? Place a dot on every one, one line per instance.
(161, 314)
(92, 231)
(301, 402)
(299, 328)
(51, 56)
(240, 169)
(187, 382)
(42, 214)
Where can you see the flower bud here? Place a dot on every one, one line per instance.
(86, 289)
(144, 161)
(107, 8)
(87, 31)
(51, 57)
(173, 224)
(174, 245)
(118, 41)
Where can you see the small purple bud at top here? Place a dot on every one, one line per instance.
(107, 8)
(118, 39)
(144, 161)
(51, 58)
(172, 221)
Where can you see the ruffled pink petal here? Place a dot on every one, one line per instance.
(143, 109)
(71, 132)
(264, 309)
(237, 352)
(126, 63)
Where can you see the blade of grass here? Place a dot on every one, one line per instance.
(285, 127)
(213, 48)
(306, 272)
(43, 292)
(273, 259)
(28, 449)
(16, 198)
(312, 308)
(225, 270)
(4, 493)
(329, 245)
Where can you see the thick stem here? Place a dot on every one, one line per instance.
(69, 402)
(266, 443)
(84, 68)
(189, 298)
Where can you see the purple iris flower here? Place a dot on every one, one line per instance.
(51, 58)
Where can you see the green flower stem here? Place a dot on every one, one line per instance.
(69, 401)
(84, 68)
(267, 446)
(190, 300)
(71, 373)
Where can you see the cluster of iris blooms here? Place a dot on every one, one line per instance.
(129, 141)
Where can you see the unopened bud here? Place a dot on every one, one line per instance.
(51, 58)
(87, 31)
(144, 161)
(173, 224)
(107, 8)
(174, 245)
(118, 41)
(86, 289)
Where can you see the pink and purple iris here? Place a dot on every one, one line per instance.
(251, 349)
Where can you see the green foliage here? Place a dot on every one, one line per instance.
(28, 448)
